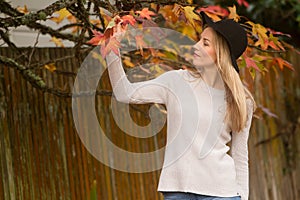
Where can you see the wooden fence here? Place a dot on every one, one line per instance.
(42, 156)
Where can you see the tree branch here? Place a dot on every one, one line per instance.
(38, 83)
(18, 19)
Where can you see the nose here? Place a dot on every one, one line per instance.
(193, 49)
(195, 46)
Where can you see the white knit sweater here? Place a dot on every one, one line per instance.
(197, 158)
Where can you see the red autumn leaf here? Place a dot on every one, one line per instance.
(243, 2)
(108, 32)
(216, 10)
(146, 13)
(282, 63)
(112, 45)
(97, 39)
(128, 19)
(273, 45)
(251, 63)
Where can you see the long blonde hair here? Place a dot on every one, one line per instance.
(236, 93)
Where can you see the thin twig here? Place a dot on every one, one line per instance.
(33, 49)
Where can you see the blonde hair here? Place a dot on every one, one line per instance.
(236, 93)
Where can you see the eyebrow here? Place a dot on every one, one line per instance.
(205, 39)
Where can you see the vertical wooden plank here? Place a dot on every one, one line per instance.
(70, 132)
(69, 153)
(104, 191)
(23, 113)
(53, 117)
(35, 135)
(4, 121)
(13, 125)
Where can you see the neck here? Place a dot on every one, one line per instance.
(212, 77)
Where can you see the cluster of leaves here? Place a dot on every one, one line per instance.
(260, 56)
(93, 22)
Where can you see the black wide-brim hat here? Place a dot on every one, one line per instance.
(234, 34)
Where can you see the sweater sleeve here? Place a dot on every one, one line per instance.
(151, 91)
(239, 154)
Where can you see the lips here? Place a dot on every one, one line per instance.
(196, 55)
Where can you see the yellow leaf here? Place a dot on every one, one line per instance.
(233, 15)
(190, 15)
(214, 17)
(261, 32)
(57, 42)
(188, 30)
(128, 63)
(61, 15)
(51, 67)
(258, 30)
(23, 9)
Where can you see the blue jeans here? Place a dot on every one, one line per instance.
(191, 196)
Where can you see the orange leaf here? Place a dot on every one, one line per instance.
(282, 63)
(112, 45)
(128, 19)
(128, 63)
(57, 42)
(168, 13)
(233, 15)
(146, 13)
(98, 38)
(177, 10)
(23, 9)
(263, 43)
(51, 67)
(95, 22)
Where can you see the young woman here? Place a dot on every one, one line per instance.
(207, 108)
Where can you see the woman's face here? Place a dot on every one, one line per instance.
(204, 51)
